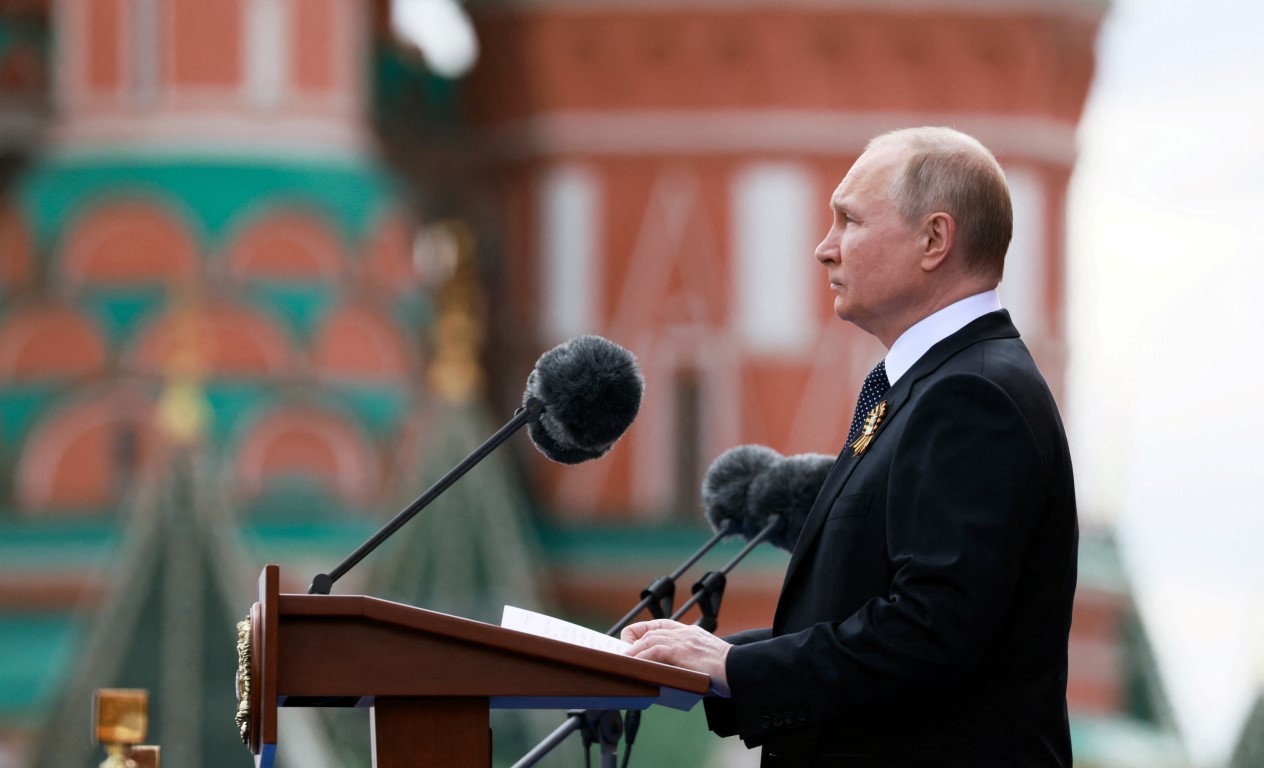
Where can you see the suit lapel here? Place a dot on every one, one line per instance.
(994, 325)
(837, 479)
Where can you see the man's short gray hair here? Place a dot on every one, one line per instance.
(952, 172)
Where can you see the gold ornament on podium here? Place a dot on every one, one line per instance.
(122, 718)
(243, 680)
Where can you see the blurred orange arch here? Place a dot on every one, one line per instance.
(359, 343)
(216, 339)
(45, 341)
(131, 242)
(315, 443)
(75, 459)
(284, 245)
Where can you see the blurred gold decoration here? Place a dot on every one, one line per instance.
(455, 373)
(121, 716)
(243, 680)
(183, 410)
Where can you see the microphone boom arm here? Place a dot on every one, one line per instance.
(662, 590)
(526, 414)
(712, 582)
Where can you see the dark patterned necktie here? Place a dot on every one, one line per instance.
(871, 392)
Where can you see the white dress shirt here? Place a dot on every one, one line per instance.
(931, 330)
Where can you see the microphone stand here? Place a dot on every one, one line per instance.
(658, 597)
(526, 414)
(661, 592)
(578, 718)
(596, 724)
(707, 594)
(709, 590)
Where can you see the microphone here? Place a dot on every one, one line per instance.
(580, 398)
(591, 389)
(787, 488)
(727, 483)
(749, 484)
(726, 505)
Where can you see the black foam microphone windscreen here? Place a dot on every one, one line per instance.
(788, 488)
(591, 390)
(726, 486)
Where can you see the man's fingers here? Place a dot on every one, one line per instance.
(655, 645)
(659, 653)
(674, 637)
(633, 632)
(647, 638)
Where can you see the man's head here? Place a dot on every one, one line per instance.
(951, 172)
(921, 220)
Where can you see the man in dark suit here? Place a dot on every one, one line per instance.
(925, 611)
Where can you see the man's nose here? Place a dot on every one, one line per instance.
(827, 251)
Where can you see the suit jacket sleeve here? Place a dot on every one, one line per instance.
(962, 497)
(721, 715)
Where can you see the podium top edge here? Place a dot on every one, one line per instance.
(377, 610)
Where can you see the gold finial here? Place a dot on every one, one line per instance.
(183, 410)
(459, 328)
(122, 718)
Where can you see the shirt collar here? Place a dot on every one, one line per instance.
(931, 330)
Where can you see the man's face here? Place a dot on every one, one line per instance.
(870, 253)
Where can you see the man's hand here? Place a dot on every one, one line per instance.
(681, 645)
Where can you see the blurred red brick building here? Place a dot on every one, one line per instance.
(662, 172)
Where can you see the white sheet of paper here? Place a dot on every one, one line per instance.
(522, 620)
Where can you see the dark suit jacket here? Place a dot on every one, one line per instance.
(925, 611)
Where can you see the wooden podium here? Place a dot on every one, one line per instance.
(430, 678)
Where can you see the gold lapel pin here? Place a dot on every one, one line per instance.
(870, 429)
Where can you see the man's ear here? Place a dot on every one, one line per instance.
(938, 236)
